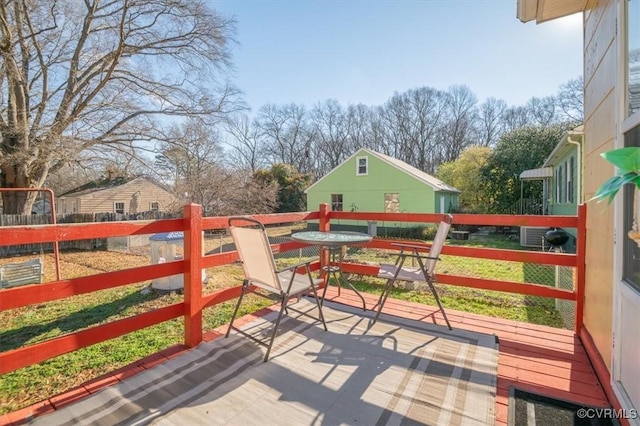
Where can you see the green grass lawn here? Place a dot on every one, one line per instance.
(38, 323)
(536, 310)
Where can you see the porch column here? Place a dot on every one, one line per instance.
(193, 304)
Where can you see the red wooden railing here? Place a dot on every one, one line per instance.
(193, 262)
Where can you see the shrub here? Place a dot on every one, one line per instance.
(469, 228)
(414, 233)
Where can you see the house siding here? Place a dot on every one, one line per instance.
(600, 71)
(366, 192)
(562, 206)
(450, 202)
(104, 200)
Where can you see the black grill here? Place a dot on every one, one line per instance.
(556, 237)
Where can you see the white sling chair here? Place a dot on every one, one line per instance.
(260, 271)
(425, 271)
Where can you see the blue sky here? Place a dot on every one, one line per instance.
(362, 51)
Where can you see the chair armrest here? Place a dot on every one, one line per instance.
(411, 246)
(414, 249)
(299, 265)
(416, 256)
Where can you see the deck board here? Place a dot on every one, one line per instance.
(531, 357)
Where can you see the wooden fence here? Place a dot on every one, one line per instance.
(88, 244)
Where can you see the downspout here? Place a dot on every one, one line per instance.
(578, 144)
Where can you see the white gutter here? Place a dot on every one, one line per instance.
(578, 144)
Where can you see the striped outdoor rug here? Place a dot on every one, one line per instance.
(397, 372)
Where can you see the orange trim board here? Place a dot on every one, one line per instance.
(601, 370)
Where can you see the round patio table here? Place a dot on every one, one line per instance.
(334, 241)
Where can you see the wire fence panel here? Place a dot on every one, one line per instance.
(565, 279)
(532, 309)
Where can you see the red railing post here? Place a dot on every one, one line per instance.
(581, 251)
(323, 224)
(192, 275)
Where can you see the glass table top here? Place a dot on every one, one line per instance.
(337, 238)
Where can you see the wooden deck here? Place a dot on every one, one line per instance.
(535, 358)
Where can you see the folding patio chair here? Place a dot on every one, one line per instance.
(425, 271)
(260, 272)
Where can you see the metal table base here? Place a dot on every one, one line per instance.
(335, 268)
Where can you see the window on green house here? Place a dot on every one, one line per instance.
(362, 166)
(391, 203)
(336, 202)
(570, 173)
(559, 184)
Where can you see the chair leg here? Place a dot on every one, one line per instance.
(283, 301)
(435, 295)
(324, 291)
(389, 285)
(383, 298)
(235, 311)
(319, 304)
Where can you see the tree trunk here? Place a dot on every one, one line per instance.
(16, 202)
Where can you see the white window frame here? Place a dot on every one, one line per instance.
(569, 172)
(115, 206)
(392, 199)
(565, 182)
(334, 203)
(366, 166)
(559, 183)
(157, 203)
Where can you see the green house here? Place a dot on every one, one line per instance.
(562, 177)
(372, 182)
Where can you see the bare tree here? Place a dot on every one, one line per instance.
(360, 135)
(332, 129)
(72, 176)
(244, 144)
(542, 110)
(571, 100)
(191, 161)
(461, 122)
(87, 75)
(429, 107)
(490, 121)
(286, 135)
(247, 195)
(514, 118)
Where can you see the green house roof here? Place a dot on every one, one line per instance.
(416, 173)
